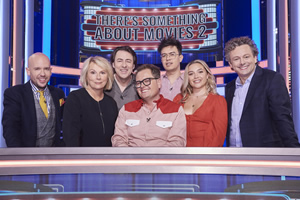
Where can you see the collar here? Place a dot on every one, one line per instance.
(131, 80)
(166, 106)
(137, 105)
(35, 89)
(166, 76)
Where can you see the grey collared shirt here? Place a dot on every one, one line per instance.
(121, 98)
(238, 102)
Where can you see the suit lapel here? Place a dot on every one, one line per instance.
(230, 94)
(55, 97)
(253, 86)
(30, 101)
(230, 88)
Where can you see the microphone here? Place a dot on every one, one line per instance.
(171, 88)
(122, 97)
(148, 119)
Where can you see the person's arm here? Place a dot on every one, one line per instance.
(120, 137)
(219, 123)
(11, 119)
(280, 111)
(71, 121)
(177, 134)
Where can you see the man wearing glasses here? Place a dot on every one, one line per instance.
(170, 51)
(152, 120)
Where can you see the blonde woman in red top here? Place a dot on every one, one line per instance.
(205, 110)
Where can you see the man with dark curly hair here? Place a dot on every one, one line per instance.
(259, 108)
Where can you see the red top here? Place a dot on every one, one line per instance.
(207, 126)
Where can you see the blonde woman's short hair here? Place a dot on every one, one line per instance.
(186, 88)
(101, 62)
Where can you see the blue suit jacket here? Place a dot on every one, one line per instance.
(19, 116)
(266, 119)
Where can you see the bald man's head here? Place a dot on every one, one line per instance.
(39, 70)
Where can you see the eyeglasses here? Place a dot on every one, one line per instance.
(170, 55)
(146, 82)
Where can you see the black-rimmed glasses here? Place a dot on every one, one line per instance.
(146, 82)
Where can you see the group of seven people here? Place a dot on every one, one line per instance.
(119, 105)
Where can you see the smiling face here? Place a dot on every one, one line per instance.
(39, 70)
(171, 63)
(96, 77)
(151, 92)
(242, 61)
(197, 76)
(123, 65)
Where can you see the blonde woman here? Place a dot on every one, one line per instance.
(205, 110)
(90, 114)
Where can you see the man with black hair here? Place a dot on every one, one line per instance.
(152, 120)
(123, 60)
(170, 51)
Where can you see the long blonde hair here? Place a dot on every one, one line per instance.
(187, 89)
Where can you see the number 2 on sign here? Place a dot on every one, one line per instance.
(202, 30)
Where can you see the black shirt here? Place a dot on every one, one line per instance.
(87, 122)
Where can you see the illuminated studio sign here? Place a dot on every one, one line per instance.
(142, 28)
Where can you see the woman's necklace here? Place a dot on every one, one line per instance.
(193, 105)
(196, 99)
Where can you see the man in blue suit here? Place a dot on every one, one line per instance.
(32, 113)
(259, 109)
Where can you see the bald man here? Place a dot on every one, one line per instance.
(32, 113)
